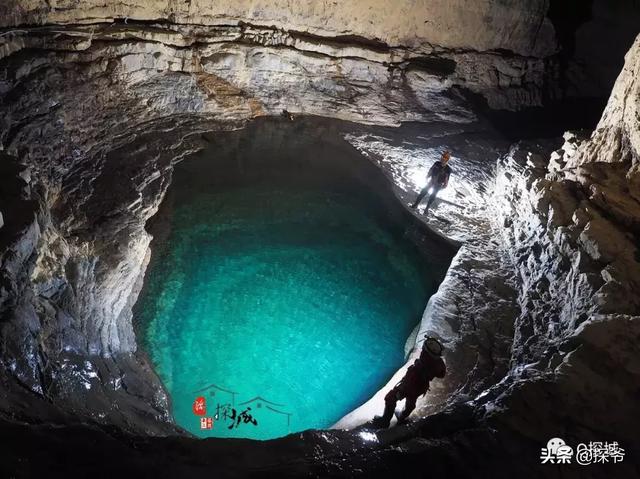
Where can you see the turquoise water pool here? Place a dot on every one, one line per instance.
(283, 306)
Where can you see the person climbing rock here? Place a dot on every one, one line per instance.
(414, 383)
(288, 115)
(437, 179)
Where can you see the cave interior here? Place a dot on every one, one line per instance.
(210, 202)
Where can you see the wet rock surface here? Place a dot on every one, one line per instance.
(472, 312)
(72, 266)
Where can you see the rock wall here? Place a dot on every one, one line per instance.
(100, 100)
(249, 71)
(473, 311)
(617, 137)
(72, 261)
(108, 93)
(569, 221)
(451, 24)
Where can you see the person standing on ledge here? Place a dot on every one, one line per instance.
(414, 383)
(437, 178)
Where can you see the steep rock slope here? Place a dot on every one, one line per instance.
(570, 224)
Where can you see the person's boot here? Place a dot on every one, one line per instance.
(380, 422)
(419, 198)
(409, 406)
(383, 421)
(432, 198)
(402, 418)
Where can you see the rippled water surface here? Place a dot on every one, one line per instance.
(298, 295)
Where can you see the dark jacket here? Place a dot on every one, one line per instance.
(440, 174)
(421, 372)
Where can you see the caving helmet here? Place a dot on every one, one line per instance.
(433, 346)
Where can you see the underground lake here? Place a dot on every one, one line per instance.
(283, 282)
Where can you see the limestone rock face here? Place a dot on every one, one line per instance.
(574, 232)
(72, 261)
(100, 99)
(566, 221)
(616, 141)
(473, 311)
(371, 60)
(570, 225)
(451, 24)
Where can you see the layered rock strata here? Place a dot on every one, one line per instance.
(567, 221)
(97, 108)
(99, 101)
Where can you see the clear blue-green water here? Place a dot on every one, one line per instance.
(297, 295)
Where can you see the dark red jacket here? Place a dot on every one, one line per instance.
(422, 371)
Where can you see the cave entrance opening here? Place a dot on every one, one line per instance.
(283, 284)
